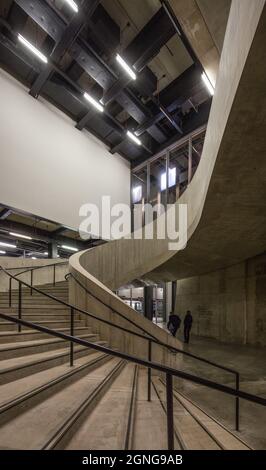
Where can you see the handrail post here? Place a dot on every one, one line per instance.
(31, 280)
(71, 334)
(237, 403)
(10, 292)
(149, 370)
(54, 276)
(170, 411)
(19, 305)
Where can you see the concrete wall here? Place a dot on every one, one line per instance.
(50, 168)
(228, 305)
(45, 275)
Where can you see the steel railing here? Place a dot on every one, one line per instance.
(147, 337)
(31, 269)
(152, 339)
(168, 371)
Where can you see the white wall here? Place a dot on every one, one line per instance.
(48, 167)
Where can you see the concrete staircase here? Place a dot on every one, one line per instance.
(99, 403)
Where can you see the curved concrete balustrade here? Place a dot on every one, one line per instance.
(226, 198)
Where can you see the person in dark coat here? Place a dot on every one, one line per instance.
(173, 323)
(188, 320)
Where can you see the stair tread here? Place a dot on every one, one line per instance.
(37, 342)
(150, 420)
(191, 434)
(28, 331)
(112, 414)
(229, 440)
(32, 429)
(12, 391)
(18, 362)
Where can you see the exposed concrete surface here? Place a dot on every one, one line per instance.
(251, 364)
(226, 198)
(228, 305)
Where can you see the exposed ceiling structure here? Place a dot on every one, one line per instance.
(167, 100)
(26, 235)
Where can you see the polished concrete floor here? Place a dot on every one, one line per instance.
(251, 364)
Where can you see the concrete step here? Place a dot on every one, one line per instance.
(53, 324)
(226, 438)
(41, 426)
(44, 316)
(13, 369)
(60, 309)
(150, 427)
(11, 350)
(111, 434)
(16, 397)
(27, 335)
(31, 301)
(193, 430)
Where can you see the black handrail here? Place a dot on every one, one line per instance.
(170, 372)
(31, 269)
(171, 348)
(126, 330)
(36, 267)
(153, 338)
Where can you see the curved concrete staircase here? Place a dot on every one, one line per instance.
(99, 403)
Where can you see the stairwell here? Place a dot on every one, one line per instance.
(99, 403)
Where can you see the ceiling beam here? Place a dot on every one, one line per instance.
(67, 38)
(144, 47)
(38, 234)
(5, 213)
(83, 53)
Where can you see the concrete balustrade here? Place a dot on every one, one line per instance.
(211, 198)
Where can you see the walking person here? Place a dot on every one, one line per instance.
(188, 320)
(174, 323)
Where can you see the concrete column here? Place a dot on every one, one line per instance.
(148, 302)
(52, 250)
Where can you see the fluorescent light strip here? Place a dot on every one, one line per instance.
(126, 67)
(33, 257)
(133, 137)
(14, 234)
(32, 48)
(73, 5)
(2, 252)
(95, 103)
(7, 245)
(70, 248)
(207, 82)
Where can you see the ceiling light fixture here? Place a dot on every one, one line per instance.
(73, 5)
(70, 248)
(126, 67)
(7, 245)
(32, 48)
(2, 252)
(14, 234)
(33, 257)
(133, 137)
(207, 82)
(95, 103)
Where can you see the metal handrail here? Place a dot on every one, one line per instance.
(28, 268)
(150, 339)
(170, 372)
(31, 269)
(153, 338)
